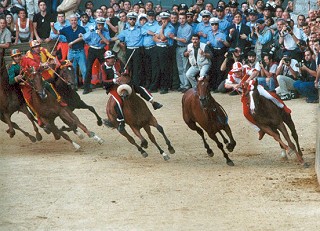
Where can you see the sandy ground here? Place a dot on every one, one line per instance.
(48, 186)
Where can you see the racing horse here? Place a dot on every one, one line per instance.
(271, 119)
(65, 86)
(199, 107)
(11, 100)
(49, 109)
(137, 115)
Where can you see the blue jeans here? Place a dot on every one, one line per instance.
(306, 89)
(270, 86)
(78, 57)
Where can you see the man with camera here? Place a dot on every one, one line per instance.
(287, 73)
(305, 84)
(267, 72)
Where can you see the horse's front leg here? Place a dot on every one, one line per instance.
(31, 118)
(7, 120)
(232, 143)
(136, 131)
(132, 141)
(220, 146)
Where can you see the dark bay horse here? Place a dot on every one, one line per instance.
(198, 106)
(49, 109)
(11, 100)
(271, 119)
(65, 86)
(137, 115)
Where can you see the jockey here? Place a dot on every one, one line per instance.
(39, 56)
(16, 77)
(110, 72)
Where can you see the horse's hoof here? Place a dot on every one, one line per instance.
(144, 144)
(33, 139)
(230, 147)
(171, 150)
(47, 130)
(165, 157)
(230, 163)
(75, 145)
(91, 134)
(99, 122)
(144, 154)
(39, 137)
(98, 139)
(79, 134)
(210, 152)
(306, 165)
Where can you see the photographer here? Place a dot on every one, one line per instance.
(287, 73)
(305, 85)
(267, 72)
(230, 57)
(289, 37)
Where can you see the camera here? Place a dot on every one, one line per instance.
(288, 28)
(273, 49)
(230, 53)
(300, 64)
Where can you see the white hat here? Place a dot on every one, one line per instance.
(108, 55)
(164, 15)
(237, 66)
(213, 20)
(205, 13)
(132, 15)
(142, 16)
(100, 20)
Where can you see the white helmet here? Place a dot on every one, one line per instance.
(237, 66)
(108, 55)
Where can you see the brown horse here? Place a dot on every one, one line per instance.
(137, 115)
(11, 100)
(198, 106)
(49, 109)
(271, 119)
(65, 84)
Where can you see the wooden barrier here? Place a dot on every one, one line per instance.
(24, 47)
(317, 164)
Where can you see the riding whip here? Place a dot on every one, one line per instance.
(125, 66)
(55, 44)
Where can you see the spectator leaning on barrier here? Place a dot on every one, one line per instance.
(267, 77)
(5, 34)
(24, 28)
(41, 23)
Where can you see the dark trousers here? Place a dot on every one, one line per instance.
(164, 71)
(134, 65)
(216, 76)
(174, 73)
(93, 54)
(151, 68)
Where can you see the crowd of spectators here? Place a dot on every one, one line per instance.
(167, 49)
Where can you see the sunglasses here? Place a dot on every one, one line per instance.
(132, 19)
(214, 24)
(317, 21)
(206, 16)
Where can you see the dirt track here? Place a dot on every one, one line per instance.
(48, 186)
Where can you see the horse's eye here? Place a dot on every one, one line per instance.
(69, 68)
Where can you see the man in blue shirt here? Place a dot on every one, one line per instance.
(203, 27)
(96, 40)
(132, 37)
(224, 24)
(76, 51)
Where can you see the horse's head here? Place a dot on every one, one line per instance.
(252, 91)
(124, 91)
(34, 77)
(67, 73)
(124, 79)
(203, 91)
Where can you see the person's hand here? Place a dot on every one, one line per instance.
(18, 78)
(316, 84)
(164, 24)
(39, 40)
(171, 35)
(243, 36)
(225, 55)
(47, 40)
(201, 52)
(220, 40)
(52, 24)
(261, 65)
(231, 31)
(237, 86)
(98, 32)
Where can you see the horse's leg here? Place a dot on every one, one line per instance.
(275, 135)
(154, 122)
(232, 143)
(83, 105)
(220, 146)
(31, 118)
(284, 131)
(193, 126)
(223, 137)
(153, 140)
(7, 120)
(136, 131)
(288, 120)
(16, 126)
(132, 141)
(55, 130)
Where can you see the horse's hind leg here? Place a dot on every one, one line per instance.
(288, 120)
(7, 120)
(220, 146)
(193, 126)
(16, 126)
(55, 130)
(90, 108)
(223, 137)
(153, 140)
(132, 141)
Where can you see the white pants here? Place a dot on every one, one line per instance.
(32, 8)
(285, 85)
(194, 71)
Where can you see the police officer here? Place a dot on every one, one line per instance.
(149, 49)
(132, 37)
(163, 41)
(203, 27)
(97, 40)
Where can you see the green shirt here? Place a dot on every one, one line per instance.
(13, 71)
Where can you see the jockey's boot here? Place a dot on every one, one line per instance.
(261, 134)
(156, 105)
(40, 123)
(121, 126)
(62, 103)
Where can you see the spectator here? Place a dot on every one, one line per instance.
(32, 8)
(11, 27)
(264, 40)
(305, 84)
(84, 22)
(89, 12)
(112, 22)
(173, 69)
(233, 5)
(199, 55)
(126, 6)
(119, 47)
(5, 35)
(287, 73)
(183, 37)
(267, 77)
(16, 6)
(116, 9)
(149, 6)
(238, 34)
(24, 28)
(278, 13)
(190, 21)
(203, 27)
(224, 24)
(104, 9)
(42, 20)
